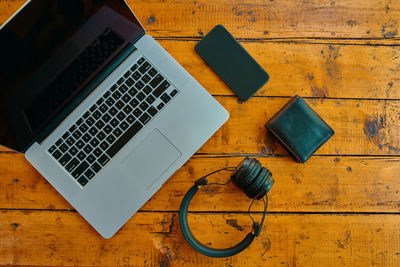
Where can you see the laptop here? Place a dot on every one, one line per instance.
(99, 108)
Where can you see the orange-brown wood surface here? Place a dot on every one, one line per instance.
(340, 208)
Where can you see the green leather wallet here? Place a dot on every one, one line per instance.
(299, 129)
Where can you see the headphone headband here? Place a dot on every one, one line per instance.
(254, 180)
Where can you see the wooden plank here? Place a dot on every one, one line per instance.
(317, 70)
(334, 184)
(262, 19)
(362, 127)
(150, 239)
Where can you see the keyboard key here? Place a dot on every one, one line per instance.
(103, 160)
(150, 99)
(115, 86)
(132, 131)
(107, 129)
(52, 149)
(145, 67)
(86, 115)
(83, 181)
(101, 135)
(146, 78)
(73, 150)
(72, 165)
(160, 106)
(103, 108)
(77, 134)
(130, 119)
(96, 167)
(70, 141)
(110, 101)
(137, 112)
(97, 152)
(80, 169)
(127, 109)
(79, 122)
(63, 148)
(136, 75)
(113, 111)
(81, 155)
(134, 67)
(88, 149)
(123, 88)
(124, 125)
(133, 92)
(152, 72)
(89, 174)
(147, 90)
(86, 137)
(96, 115)
(91, 158)
(93, 131)
(166, 98)
(145, 118)
(173, 93)
(152, 111)
(64, 159)
(156, 81)
(104, 145)
(106, 118)
(126, 98)
(94, 142)
(120, 81)
(93, 108)
(140, 96)
(73, 128)
(59, 142)
(161, 88)
(99, 101)
(57, 154)
(65, 136)
(127, 74)
(134, 102)
(116, 95)
(141, 60)
(110, 139)
(100, 124)
(120, 104)
(107, 94)
(90, 121)
(114, 122)
(129, 82)
(83, 128)
(79, 144)
(117, 132)
(144, 106)
(121, 116)
(139, 85)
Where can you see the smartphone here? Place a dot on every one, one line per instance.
(232, 63)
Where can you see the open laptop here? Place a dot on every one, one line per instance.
(99, 108)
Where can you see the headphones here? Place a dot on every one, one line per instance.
(254, 180)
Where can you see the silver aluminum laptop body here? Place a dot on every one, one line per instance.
(145, 163)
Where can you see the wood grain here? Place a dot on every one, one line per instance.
(331, 184)
(262, 19)
(154, 239)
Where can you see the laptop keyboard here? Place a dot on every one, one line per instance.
(103, 130)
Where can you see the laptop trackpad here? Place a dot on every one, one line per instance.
(150, 159)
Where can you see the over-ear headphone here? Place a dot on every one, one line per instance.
(254, 180)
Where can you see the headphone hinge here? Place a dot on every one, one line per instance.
(201, 182)
(257, 229)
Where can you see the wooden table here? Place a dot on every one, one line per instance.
(340, 208)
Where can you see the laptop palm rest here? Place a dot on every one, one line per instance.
(150, 159)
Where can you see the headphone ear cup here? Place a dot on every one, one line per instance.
(248, 176)
(243, 165)
(253, 189)
(265, 187)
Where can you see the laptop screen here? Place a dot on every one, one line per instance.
(50, 50)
